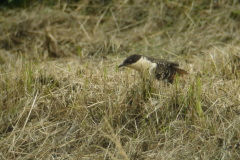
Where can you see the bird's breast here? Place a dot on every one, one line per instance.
(152, 68)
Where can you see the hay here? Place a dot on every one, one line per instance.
(62, 95)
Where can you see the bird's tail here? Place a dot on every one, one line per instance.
(181, 71)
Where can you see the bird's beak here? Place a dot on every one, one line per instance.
(121, 65)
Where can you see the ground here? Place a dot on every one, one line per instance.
(63, 97)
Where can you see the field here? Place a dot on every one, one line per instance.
(63, 97)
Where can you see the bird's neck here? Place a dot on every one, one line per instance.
(143, 64)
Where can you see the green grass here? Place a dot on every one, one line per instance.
(199, 96)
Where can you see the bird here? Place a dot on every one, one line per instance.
(161, 69)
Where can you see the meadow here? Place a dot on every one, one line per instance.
(63, 97)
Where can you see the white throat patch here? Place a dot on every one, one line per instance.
(143, 64)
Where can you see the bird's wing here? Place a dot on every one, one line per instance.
(167, 70)
(155, 60)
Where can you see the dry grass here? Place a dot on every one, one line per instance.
(63, 97)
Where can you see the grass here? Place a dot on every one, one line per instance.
(62, 95)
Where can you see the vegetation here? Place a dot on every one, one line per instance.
(62, 95)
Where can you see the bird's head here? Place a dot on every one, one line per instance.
(130, 61)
